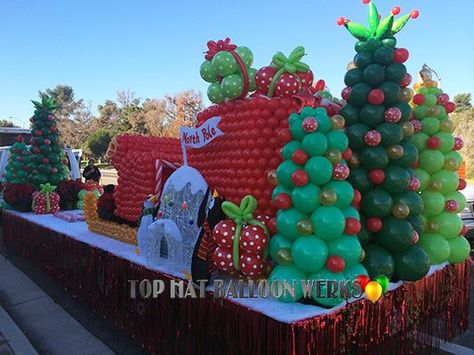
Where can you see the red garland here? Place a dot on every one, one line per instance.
(402, 321)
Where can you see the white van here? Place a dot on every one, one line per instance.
(73, 155)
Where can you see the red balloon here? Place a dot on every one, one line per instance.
(417, 125)
(357, 196)
(443, 99)
(450, 107)
(433, 143)
(376, 176)
(300, 177)
(363, 281)
(373, 138)
(418, 99)
(283, 201)
(299, 157)
(462, 184)
(310, 124)
(400, 55)
(374, 224)
(346, 92)
(414, 14)
(283, 135)
(335, 264)
(271, 225)
(352, 226)
(346, 155)
(376, 97)
(395, 10)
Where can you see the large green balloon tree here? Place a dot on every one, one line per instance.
(16, 171)
(48, 161)
(437, 172)
(377, 114)
(316, 223)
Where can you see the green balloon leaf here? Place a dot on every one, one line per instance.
(384, 26)
(358, 30)
(373, 17)
(400, 23)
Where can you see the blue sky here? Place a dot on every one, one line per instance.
(155, 47)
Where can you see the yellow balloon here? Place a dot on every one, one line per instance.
(373, 290)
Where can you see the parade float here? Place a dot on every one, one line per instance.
(279, 182)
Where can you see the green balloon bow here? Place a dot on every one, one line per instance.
(377, 28)
(290, 65)
(242, 215)
(47, 189)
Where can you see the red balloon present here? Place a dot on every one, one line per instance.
(45, 200)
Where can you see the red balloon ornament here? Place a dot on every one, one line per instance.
(376, 176)
(300, 177)
(376, 97)
(373, 138)
(433, 143)
(340, 171)
(393, 115)
(418, 99)
(310, 124)
(299, 157)
(400, 55)
(374, 224)
(451, 206)
(352, 227)
(335, 264)
(458, 143)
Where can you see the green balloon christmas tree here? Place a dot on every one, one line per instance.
(377, 114)
(437, 172)
(16, 171)
(48, 162)
(316, 222)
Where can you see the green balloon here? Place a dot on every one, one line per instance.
(433, 203)
(286, 222)
(391, 133)
(447, 141)
(363, 59)
(319, 170)
(328, 222)
(309, 253)
(324, 122)
(419, 140)
(361, 46)
(430, 125)
(411, 264)
(431, 161)
(351, 212)
(424, 177)
(395, 72)
(355, 270)
(418, 223)
(374, 158)
(378, 261)
(289, 149)
(355, 135)
(337, 140)
(284, 172)
(389, 42)
(372, 115)
(297, 130)
(277, 242)
(449, 180)
(215, 93)
(430, 100)
(306, 198)
(383, 55)
(347, 247)
(454, 155)
(376, 203)
(359, 179)
(450, 224)
(391, 91)
(350, 114)
(436, 246)
(420, 112)
(353, 77)
(460, 249)
(207, 72)
(359, 94)
(232, 86)
(374, 74)
(413, 200)
(325, 300)
(373, 44)
(409, 157)
(405, 109)
(224, 64)
(246, 55)
(315, 144)
(396, 234)
(396, 180)
(290, 274)
(251, 72)
(459, 198)
(344, 192)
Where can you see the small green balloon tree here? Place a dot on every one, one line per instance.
(437, 172)
(48, 161)
(316, 222)
(377, 114)
(16, 171)
(228, 69)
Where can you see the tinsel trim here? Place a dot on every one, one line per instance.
(401, 322)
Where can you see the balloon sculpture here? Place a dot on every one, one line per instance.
(17, 167)
(48, 161)
(228, 69)
(316, 223)
(377, 114)
(438, 163)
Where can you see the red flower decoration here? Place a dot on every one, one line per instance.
(220, 45)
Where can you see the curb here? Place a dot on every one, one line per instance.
(15, 338)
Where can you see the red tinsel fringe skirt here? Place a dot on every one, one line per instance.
(402, 321)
